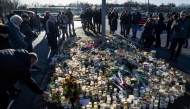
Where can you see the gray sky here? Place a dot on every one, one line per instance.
(55, 2)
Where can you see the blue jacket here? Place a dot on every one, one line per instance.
(15, 37)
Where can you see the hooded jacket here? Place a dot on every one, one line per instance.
(15, 65)
(15, 37)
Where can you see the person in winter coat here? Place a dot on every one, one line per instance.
(52, 33)
(63, 22)
(126, 22)
(121, 22)
(89, 16)
(16, 38)
(46, 17)
(109, 19)
(99, 20)
(136, 17)
(32, 21)
(114, 16)
(181, 28)
(25, 29)
(69, 14)
(83, 19)
(186, 41)
(37, 19)
(147, 34)
(4, 41)
(168, 29)
(15, 65)
(159, 27)
(95, 19)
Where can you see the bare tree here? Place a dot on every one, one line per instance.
(16, 3)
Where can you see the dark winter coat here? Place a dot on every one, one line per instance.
(4, 43)
(10, 15)
(15, 65)
(159, 26)
(149, 27)
(15, 37)
(182, 30)
(99, 17)
(113, 16)
(83, 18)
(169, 24)
(95, 16)
(109, 19)
(126, 19)
(136, 18)
(25, 29)
(121, 18)
(69, 15)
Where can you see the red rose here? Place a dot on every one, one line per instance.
(70, 75)
(73, 79)
(58, 91)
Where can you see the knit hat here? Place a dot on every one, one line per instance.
(4, 29)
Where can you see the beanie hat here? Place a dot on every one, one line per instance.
(4, 29)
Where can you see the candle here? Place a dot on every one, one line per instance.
(129, 100)
(150, 106)
(171, 99)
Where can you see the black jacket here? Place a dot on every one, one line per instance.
(136, 18)
(69, 15)
(4, 43)
(169, 24)
(15, 65)
(126, 19)
(182, 30)
(25, 29)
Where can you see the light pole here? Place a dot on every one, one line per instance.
(103, 20)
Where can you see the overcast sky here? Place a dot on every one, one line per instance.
(55, 2)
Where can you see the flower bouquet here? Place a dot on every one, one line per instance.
(71, 89)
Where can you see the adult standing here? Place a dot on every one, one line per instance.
(109, 19)
(159, 27)
(99, 20)
(168, 29)
(89, 15)
(126, 23)
(69, 14)
(114, 17)
(181, 29)
(136, 17)
(25, 29)
(16, 38)
(37, 19)
(52, 33)
(63, 21)
(15, 65)
(121, 22)
(46, 17)
(95, 19)
(83, 19)
(32, 21)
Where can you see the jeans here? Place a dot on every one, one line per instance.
(122, 28)
(175, 42)
(125, 29)
(71, 23)
(134, 28)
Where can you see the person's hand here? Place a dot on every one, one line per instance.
(175, 23)
(45, 94)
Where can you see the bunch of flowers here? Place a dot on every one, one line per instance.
(72, 89)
